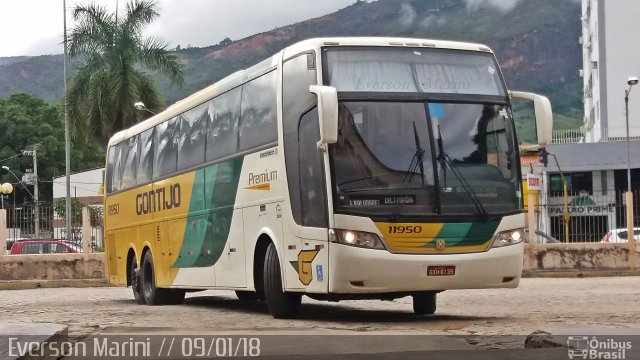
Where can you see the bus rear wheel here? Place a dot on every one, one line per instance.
(135, 280)
(282, 305)
(152, 295)
(424, 303)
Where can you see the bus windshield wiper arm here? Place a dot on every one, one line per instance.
(417, 162)
(444, 157)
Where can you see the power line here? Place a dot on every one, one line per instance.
(9, 158)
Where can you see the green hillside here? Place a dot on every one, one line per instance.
(535, 42)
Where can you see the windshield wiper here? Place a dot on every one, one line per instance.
(444, 158)
(417, 162)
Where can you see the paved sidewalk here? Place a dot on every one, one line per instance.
(37, 284)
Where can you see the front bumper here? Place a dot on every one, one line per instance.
(364, 271)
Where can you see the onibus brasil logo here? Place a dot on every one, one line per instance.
(583, 347)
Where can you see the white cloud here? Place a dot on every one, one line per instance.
(501, 5)
(433, 20)
(34, 27)
(407, 15)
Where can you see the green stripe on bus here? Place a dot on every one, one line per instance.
(217, 185)
(465, 234)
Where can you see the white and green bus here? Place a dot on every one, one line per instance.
(339, 168)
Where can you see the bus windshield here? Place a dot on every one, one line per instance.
(413, 70)
(425, 158)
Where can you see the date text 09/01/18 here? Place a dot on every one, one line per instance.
(128, 347)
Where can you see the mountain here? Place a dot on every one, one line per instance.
(536, 43)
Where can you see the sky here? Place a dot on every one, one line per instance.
(35, 27)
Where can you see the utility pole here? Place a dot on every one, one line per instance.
(67, 137)
(34, 153)
(565, 213)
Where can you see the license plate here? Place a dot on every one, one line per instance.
(441, 270)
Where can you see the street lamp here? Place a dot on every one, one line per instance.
(5, 189)
(17, 178)
(632, 81)
(139, 105)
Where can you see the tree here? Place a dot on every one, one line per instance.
(26, 121)
(112, 75)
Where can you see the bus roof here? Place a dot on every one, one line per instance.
(238, 78)
(318, 43)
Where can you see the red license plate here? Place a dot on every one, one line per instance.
(441, 270)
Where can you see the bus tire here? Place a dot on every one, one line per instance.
(152, 294)
(282, 305)
(247, 295)
(175, 296)
(136, 281)
(424, 303)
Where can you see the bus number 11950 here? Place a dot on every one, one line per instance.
(402, 229)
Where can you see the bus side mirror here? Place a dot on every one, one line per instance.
(542, 113)
(327, 114)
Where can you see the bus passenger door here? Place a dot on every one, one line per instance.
(312, 254)
(306, 238)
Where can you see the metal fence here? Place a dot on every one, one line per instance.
(591, 215)
(613, 134)
(31, 222)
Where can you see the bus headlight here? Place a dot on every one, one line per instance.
(357, 238)
(507, 238)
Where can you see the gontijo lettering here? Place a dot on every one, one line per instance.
(160, 199)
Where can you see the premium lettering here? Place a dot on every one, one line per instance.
(261, 178)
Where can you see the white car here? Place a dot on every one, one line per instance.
(621, 236)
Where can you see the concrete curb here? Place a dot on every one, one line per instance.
(36, 284)
(577, 273)
(83, 283)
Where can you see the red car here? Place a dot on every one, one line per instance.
(43, 247)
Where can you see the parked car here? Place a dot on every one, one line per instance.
(43, 246)
(10, 242)
(620, 235)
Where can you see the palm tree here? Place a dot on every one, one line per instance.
(112, 78)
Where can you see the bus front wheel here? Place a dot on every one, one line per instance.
(282, 305)
(152, 294)
(424, 303)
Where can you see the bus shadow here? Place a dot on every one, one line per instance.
(342, 312)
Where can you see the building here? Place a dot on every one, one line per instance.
(594, 159)
(611, 52)
(85, 186)
(596, 178)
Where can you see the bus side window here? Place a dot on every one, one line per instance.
(129, 155)
(166, 155)
(222, 130)
(192, 137)
(258, 125)
(145, 165)
(113, 181)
